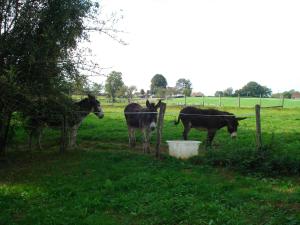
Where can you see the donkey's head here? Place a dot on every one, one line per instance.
(150, 118)
(95, 105)
(232, 124)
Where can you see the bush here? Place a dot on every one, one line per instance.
(266, 161)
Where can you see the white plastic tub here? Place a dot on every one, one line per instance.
(183, 149)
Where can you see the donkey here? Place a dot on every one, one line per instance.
(73, 120)
(143, 119)
(209, 120)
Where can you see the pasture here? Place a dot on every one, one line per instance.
(105, 182)
(245, 102)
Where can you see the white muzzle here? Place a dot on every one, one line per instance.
(234, 134)
(152, 125)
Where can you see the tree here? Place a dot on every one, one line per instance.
(161, 92)
(171, 91)
(197, 94)
(253, 89)
(288, 94)
(219, 93)
(113, 84)
(158, 82)
(37, 44)
(184, 86)
(130, 91)
(228, 92)
(96, 88)
(143, 93)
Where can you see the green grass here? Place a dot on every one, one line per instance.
(119, 186)
(280, 129)
(103, 182)
(233, 102)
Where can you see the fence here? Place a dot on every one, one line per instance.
(207, 101)
(162, 113)
(63, 125)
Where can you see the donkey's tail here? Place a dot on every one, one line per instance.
(178, 120)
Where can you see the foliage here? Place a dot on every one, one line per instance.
(37, 39)
(130, 92)
(219, 93)
(126, 92)
(171, 91)
(96, 89)
(288, 94)
(158, 82)
(184, 86)
(114, 85)
(38, 52)
(197, 94)
(249, 160)
(228, 92)
(253, 89)
(142, 92)
(161, 92)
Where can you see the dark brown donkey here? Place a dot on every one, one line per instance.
(209, 120)
(78, 112)
(144, 119)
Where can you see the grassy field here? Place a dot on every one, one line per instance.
(215, 102)
(233, 102)
(104, 182)
(280, 129)
(109, 184)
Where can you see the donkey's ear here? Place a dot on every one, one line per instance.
(158, 104)
(241, 118)
(147, 103)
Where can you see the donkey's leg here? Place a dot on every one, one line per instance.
(133, 138)
(210, 136)
(130, 137)
(187, 128)
(148, 141)
(146, 144)
(144, 140)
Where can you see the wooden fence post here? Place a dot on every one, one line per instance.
(203, 100)
(239, 101)
(282, 101)
(260, 100)
(160, 124)
(258, 128)
(220, 100)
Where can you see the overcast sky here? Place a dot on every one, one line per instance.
(215, 43)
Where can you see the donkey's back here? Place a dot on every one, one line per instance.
(132, 114)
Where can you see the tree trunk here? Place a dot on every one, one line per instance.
(4, 129)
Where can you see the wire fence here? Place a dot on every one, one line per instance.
(233, 102)
(266, 118)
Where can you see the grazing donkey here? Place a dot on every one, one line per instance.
(144, 119)
(209, 120)
(73, 120)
